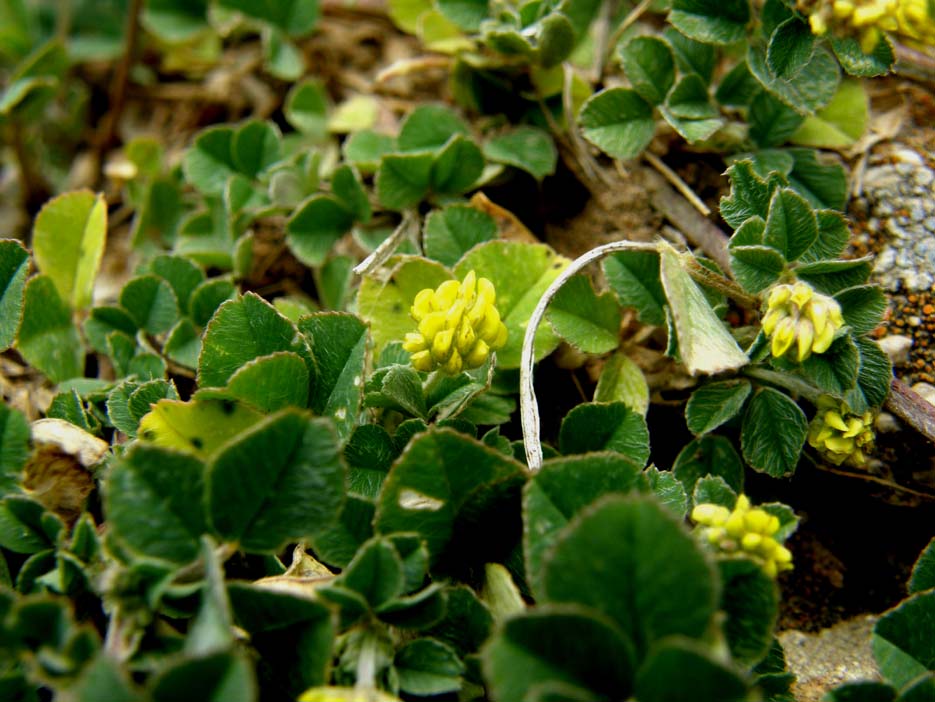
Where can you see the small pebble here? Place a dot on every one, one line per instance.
(885, 423)
(896, 346)
(925, 391)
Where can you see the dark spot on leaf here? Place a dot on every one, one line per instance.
(197, 443)
(228, 406)
(557, 264)
(149, 435)
(397, 308)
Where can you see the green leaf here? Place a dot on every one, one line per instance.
(901, 643)
(812, 87)
(404, 179)
(315, 226)
(873, 378)
(715, 403)
(428, 667)
(688, 108)
(556, 39)
(834, 371)
(68, 242)
(26, 527)
(384, 302)
(791, 226)
(333, 281)
(771, 121)
(151, 303)
(338, 542)
(454, 230)
(208, 296)
(457, 166)
(376, 573)
(183, 344)
(857, 63)
(528, 148)
(429, 127)
(819, 177)
(586, 320)
(773, 433)
(704, 345)
(621, 380)
(922, 689)
(709, 455)
(14, 265)
(14, 447)
(183, 274)
(840, 123)
(681, 669)
(200, 427)
(175, 21)
(240, 331)
(738, 87)
(791, 46)
(466, 14)
(691, 56)
(605, 427)
(365, 149)
(520, 273)
(269, 383)
(255, 147)
(862, 307)
(559, 644)
(216, 677)
(339, 345)
(756, 267)
(751, 601)
(649, 66)
(306, 108)
(294, 17)
(293, 635)
(634, 276)
(263, 509)
(710, 21)
(830, 277)
(668, 490)
(559, 491)
(447, 486)
(923, 572)
(346, 186)
(649, 552)
(833, 237)
(154, 503)
(618, 121)
(750, 195)
(47, 337)
(208, 163)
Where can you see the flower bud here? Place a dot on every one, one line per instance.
(799, 318)
(458, 326)
(745, 529)
(913, 21)
(839, 435)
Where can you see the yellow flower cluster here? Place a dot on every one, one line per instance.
(746, 531)
(913, 20)
(797, 316)
(459, 326)
(839, 435)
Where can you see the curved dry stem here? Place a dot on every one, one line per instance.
(528, 408)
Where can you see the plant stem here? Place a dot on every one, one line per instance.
(388, 246)
(529, 410)
(786, 381)
(912, 408)
(118, 93)
(723, 285)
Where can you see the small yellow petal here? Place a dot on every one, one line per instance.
(414, 342)
(478, 355)
(431, 324)
(441, 345)
(422, 361)
(445, 295)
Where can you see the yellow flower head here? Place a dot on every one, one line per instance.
(799, 318)
(867, 20)
(840, 435)
(459, 326)
(745, 531)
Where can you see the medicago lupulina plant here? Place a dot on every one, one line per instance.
(338, 489)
